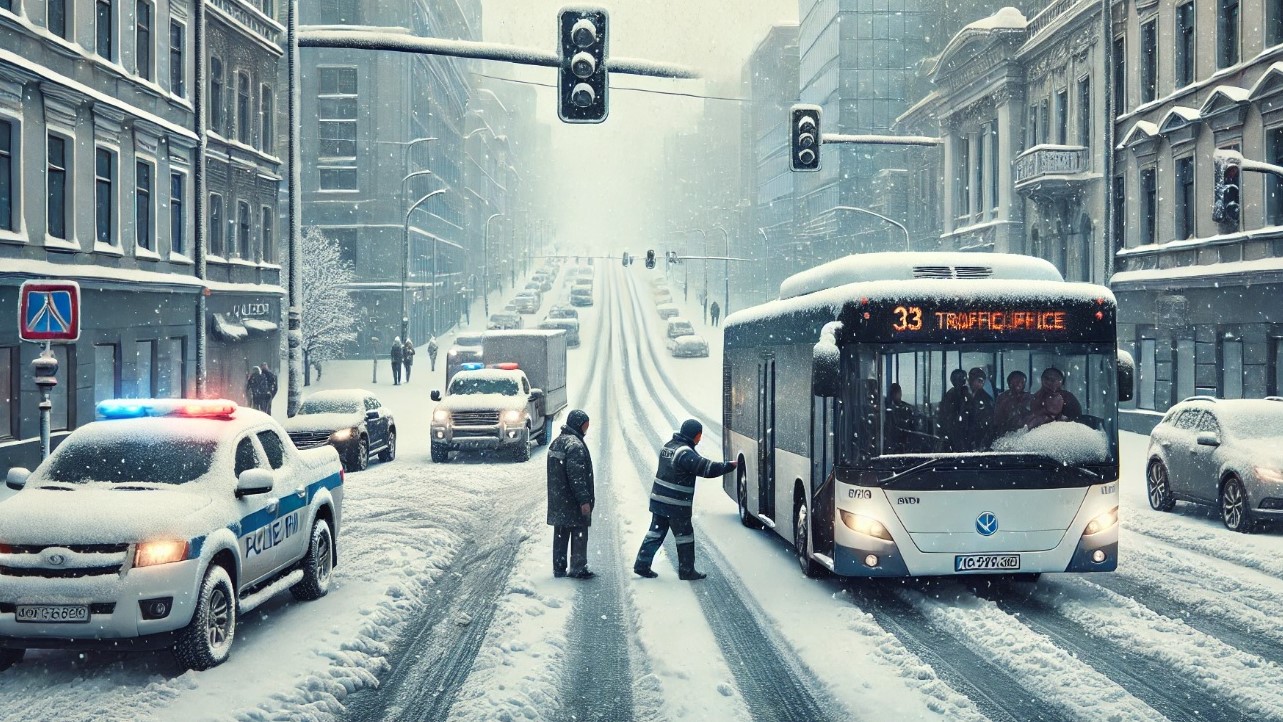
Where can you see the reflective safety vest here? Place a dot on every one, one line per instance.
(680, 465)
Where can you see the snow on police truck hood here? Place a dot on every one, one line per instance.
(485, 390)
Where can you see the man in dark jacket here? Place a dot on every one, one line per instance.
(671, 497)
(570, 497)
(398, 354)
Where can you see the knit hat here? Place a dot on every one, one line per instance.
(692, 428)
(576, 420)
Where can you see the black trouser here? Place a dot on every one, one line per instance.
(577, 538)
(683, 534)
(433, 361)
(396, 372)
(408, 366)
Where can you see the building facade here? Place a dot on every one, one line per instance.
(1198, 291)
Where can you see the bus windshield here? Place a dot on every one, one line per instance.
(1046, 403)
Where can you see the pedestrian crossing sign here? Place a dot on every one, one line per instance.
(49, 311)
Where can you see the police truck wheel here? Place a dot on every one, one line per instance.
(1236, 511)
(546, 436)
(522, 450)
(440, 454)
(741, 496)
(1158, 488)
(10, 657)
(801, 539)
(389, 453)
(317, 565)
(207, 641)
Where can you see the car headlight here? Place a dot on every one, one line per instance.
(1102, 522)
(441, 416)
(149, 554)
(341, 435)
(865, 525)
(1265, 473)
(513, 416)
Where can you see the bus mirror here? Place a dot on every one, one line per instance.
(825, 362)
(1126, 376)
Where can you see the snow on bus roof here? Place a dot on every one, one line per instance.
(990, 289)
(909, 265)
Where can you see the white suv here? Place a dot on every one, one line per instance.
(158, 526)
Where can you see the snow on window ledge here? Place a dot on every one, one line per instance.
(146, 253)
(61, 244)
(13, 237)
(108, 249)
(180, 258)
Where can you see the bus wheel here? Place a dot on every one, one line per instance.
(741, 496)
(801, 539)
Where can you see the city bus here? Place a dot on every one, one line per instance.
(876, 416)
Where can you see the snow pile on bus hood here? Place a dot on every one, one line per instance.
(1065, 441)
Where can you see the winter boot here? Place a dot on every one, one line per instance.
(686, 563)
(644, 571)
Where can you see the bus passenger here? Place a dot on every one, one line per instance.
(1013, 404)
(899, 423)
(979, 413)
(952, 413)
(1051, 402)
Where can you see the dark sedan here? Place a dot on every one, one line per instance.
(351, 420)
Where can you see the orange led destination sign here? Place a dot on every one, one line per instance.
(912, 318)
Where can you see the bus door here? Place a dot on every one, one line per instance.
(822, 460)
(766, 437)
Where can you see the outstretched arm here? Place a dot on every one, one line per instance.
(690, 461)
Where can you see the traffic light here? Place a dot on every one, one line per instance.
(583, 81)
(1227, 167)
(671, 256)
(628, 260)
(650, 259)
(804, 137)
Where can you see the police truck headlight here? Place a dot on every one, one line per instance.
(865, 525)
(440, 416)
(513, 417)
(149, 554)
(1102, 522)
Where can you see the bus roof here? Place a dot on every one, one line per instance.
(908, 266)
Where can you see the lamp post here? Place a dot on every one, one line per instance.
(405, 250)
(907, 245)
(405, 265)
(726, 295)
(485, 263)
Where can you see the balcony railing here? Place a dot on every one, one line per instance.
(1046, 160)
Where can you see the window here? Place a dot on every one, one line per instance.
(1120, 75)
(1119, 217)
(215, 225)
(242, 108)
(1227, 33)
(1062, 117)
(145, 362)
(1185, 48)
(171, 361)
(177, 66)
(1145, 370)
(7, 182)
(63, 396)
(1149, 206)
(216, 95)
(1084, 112)
(106, 372)
(105, 28)
(1033, 126)
(978, 174)
(142, 206)
(177, 219)
(1148, 61)
(242, 226)
(1273, 184)
(7, 395)
(266, 121)
(1277, 357)
(56, 180)
(1274, 22)
(1044, 121)
(1184, 371)
(142, 39)
(346, 238)
(336, 119)
(1184, 206)
(104, 195)
(1231, 367)
(994, 154)
(269, 250)
(57, 18)
(246, 458)
(274, 447)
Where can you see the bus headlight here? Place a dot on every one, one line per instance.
(1102, 522)
(865, 525)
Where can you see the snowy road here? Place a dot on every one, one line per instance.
(444, 606)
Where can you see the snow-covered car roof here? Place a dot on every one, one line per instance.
(677, 320)
(690, 340)
(469, 339)
(559, 323)
(350, 395)
(666, 306)
(504, 316)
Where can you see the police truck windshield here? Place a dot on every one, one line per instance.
(474, 385)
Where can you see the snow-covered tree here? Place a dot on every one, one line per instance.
(329, 314)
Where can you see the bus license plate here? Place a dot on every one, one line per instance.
(986, 562)
(52, 613)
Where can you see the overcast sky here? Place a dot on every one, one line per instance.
(610, 188)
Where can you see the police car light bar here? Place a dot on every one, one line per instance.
(472, 366)
(187, 408)
(507, 366)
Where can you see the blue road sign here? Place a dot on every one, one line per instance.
(49, 311)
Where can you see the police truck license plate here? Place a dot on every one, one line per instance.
(986, 562)
(55, 613)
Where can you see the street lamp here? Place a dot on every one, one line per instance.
(405, 265)
(405, 251)
(726, 295)
(907, 245)
(485, 263)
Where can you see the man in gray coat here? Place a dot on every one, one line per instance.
(570, 497)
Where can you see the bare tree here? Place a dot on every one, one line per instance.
(329, 314)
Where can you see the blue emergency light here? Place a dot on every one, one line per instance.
(187, 408)
(472, 366)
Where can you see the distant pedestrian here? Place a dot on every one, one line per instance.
(571, 497)
(398, 355)
(671, 498)
(253, 384)
(270, 387)
(432, 353)
(407, 358)
(715, 311)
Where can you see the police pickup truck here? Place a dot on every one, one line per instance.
(487, 409)
(158, 526)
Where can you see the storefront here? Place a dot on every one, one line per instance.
(244, 330)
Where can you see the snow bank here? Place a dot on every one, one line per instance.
(1068, 442)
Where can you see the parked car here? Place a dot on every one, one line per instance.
(155, 526)
(1220, 452)
(505, 321)
(688, 346)
(527, 302)
(560, 311)
(678, 326)
(663, 295)
(667, 311)
(569, 325)
(353, 421)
